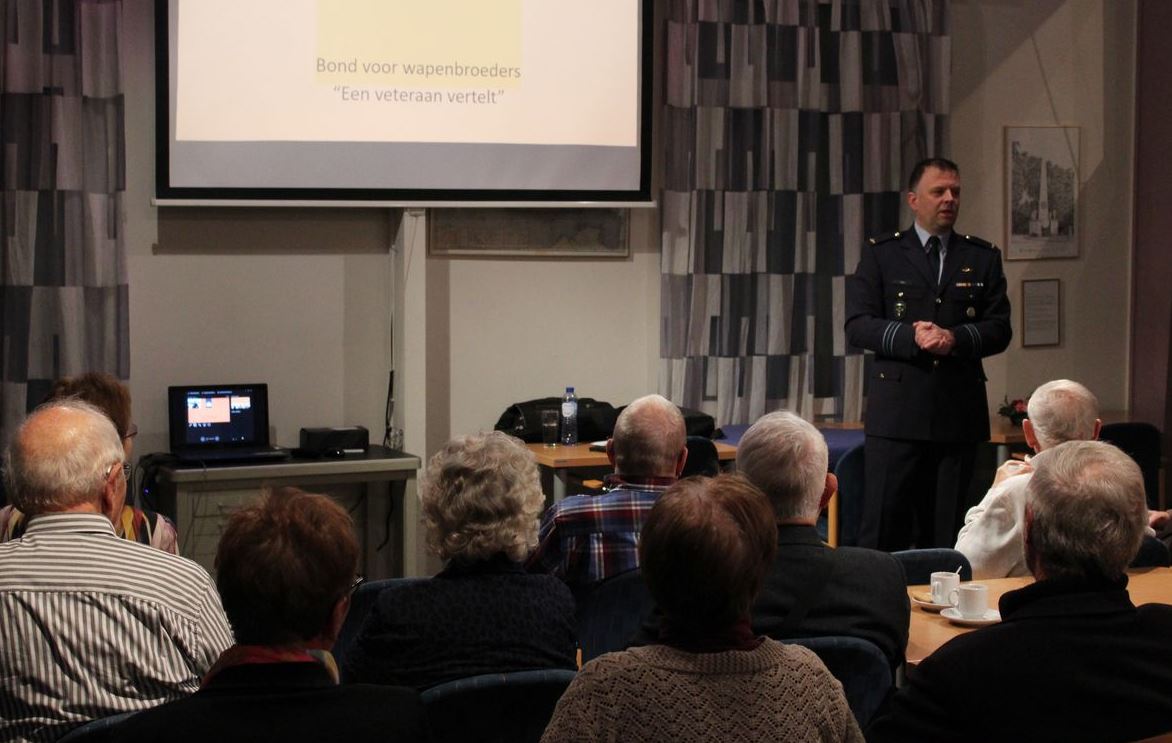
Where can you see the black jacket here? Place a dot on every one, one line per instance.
(280, 702)
(913, 394)
(1070, 661)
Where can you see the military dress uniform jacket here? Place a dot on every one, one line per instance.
(913, 394)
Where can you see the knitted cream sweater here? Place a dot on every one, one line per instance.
(657, 693)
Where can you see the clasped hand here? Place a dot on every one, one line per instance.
(933, 338)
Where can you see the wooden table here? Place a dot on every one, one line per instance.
(561, 459)
(929, 630)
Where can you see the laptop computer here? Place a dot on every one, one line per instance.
(221, 424)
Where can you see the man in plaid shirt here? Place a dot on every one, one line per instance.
(588, 538)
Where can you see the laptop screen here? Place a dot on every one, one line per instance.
(222, 416)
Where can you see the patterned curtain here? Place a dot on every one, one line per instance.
(789, 129)
(63, 265)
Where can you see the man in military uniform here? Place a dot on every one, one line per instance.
(930, 303)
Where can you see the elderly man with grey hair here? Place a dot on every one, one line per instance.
(1073, 658)
(93, 625)
(589, 538)
(814, 589)
(991, 537)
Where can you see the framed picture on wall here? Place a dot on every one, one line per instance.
(577, 233)
(1041, 312)
(1041, 192)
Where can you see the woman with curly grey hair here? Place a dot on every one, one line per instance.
(481, 499)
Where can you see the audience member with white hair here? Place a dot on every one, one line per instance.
(1073, 659)
(991, 537)
(589, 538)
(481, 497)
(93, 625)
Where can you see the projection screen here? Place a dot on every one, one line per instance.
(401, 101)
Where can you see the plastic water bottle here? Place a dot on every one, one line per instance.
(569, 417)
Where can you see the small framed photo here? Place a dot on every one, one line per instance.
(1041, 312)
(1041, 192)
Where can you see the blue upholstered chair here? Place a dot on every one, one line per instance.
(496, 707)
(360, 605)
(918, 565)
(859, 666)
(1152, 554)
(849, 471)
(96, 731)
(610, 613)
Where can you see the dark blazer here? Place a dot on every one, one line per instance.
(486, 617)
(913, 394)
(1070, 661)
(848, 590)
(280, 701)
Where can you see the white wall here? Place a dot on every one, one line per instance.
(525, 329)
(1053, 62)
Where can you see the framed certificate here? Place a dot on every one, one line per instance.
(1041, 312)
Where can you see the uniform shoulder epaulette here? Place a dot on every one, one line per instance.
(885, 237)
(979, 242)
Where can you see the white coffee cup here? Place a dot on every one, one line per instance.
(971, 600)
(943, 584)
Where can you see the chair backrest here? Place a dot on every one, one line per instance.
(918, 565)
(610, 613)
(702, 458)
(97, 730)
(1152, 554)
(849, 471)
(495, 707)
(360, 605)
(1141, 441)
(861, 668)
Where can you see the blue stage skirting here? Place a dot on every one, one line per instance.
(838, 440)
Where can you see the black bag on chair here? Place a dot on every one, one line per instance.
(523, 419)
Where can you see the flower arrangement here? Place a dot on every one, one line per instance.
(1015, 411)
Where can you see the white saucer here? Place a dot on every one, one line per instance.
(929, 605)
(992, 616)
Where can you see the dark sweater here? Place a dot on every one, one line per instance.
(470, 619)
(1071, 660)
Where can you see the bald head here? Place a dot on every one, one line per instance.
(649, 438)
(1061, 411)
(61, 457)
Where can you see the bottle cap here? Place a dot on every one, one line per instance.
(569, 389)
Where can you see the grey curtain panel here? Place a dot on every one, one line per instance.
(63, 265)
(789, 128)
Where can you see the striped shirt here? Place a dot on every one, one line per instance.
(93, 625)
(589, 538)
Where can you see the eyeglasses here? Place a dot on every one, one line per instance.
(126, 468)
(131, 431)
(358, 581)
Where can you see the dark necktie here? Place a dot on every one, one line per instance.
(934, 258)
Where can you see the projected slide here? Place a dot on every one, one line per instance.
(526, 72)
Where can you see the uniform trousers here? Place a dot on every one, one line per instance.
(913, 492)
